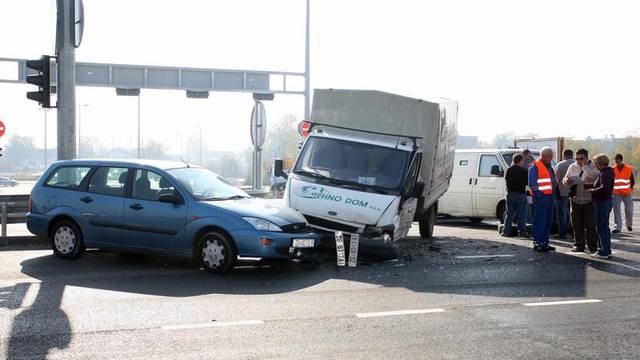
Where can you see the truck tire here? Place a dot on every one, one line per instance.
(426, 224)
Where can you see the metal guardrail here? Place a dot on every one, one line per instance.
(13, 209)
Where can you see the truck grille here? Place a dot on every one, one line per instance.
(332, 225)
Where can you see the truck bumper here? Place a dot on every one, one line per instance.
(367, 245)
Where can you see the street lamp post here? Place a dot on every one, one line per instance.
(45, 137)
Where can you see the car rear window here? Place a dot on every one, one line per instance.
(68, 177)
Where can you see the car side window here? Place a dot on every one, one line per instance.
(68, 177)
(148, 185)
(486, 162)
(109, 181)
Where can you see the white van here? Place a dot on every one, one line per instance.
(478, 189)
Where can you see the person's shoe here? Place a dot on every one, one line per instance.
(577, 250)
(615, 231)
(537, 248)
(599, 256)
(548, 248)
(629, 228)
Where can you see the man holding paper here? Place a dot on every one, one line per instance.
(580, 175)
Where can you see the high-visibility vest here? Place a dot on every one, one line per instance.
(622, 182)
(544, 179)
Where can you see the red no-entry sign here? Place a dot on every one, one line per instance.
(1, 128)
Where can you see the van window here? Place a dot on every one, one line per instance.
(486, 162)
(68, 177)
(108, 181)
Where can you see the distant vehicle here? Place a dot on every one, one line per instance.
(5, 181)
(372, 164)
(161, 207)
(478, 189)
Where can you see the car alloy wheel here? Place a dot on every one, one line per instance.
(64, 240)
(213, 253)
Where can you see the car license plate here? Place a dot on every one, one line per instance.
(303, 243)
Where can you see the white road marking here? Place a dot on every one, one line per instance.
(212, 324)
(565, 302)
(399, 312)
(484, 256)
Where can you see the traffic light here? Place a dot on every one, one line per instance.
(42, 79)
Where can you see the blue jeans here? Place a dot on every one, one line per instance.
(542, 218)
(562, 213)
(516, 205)
(603, 211)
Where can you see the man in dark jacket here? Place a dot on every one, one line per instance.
(517, 179)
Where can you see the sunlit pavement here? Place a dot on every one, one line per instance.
(468, 293)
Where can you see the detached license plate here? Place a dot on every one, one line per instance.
(303, 243)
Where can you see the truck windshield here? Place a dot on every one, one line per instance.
(352, 162)
(204, 184)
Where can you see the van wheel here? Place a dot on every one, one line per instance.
(216, 253)
(426, 225)
(66, 240)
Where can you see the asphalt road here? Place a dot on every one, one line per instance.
(466, 294)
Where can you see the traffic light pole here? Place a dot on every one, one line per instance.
(66, 81)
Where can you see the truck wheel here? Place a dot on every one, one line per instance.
(426, 225)
(216, 253)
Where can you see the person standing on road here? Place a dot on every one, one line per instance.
(562, 201)
(602, 195)
(622, 194)
(528, 158)
(544, 185)
(582, 210)
(517, 179)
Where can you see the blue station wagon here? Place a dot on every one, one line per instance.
(161, 207)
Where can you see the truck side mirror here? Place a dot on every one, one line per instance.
(278, 169)
(496, 170)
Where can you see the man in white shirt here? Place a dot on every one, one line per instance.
(582, 209)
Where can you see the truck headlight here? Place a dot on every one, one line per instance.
(262, 224)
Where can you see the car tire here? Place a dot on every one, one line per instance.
(426, 224)
(216, 252)
(66, 240)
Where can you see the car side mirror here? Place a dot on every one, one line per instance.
(278, 169)
(171, 198)
(418, 189)
(496, 170)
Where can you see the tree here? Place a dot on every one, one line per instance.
(20, 148)
(154, 150)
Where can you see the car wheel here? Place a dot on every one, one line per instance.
(216, 253)
(66, 240)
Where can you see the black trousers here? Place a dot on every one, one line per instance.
(584, 226)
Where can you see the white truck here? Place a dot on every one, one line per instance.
(372, 164)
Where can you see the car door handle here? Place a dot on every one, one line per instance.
(86, 199)
(136, 207)
(470, 181)
(476, 183)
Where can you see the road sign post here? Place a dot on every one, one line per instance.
(258, 133)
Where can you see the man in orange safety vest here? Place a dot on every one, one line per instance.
(622, 194)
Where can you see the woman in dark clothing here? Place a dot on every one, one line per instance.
(602, 197)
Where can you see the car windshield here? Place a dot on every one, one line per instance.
(204, 184)
(354, 163)
(508, 157)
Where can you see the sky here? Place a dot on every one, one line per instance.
(555, 68)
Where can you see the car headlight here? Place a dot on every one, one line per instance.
(262, 225)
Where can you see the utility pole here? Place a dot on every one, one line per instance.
(307, 74)
(66, 81)
(138, 125)
(45, 138)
